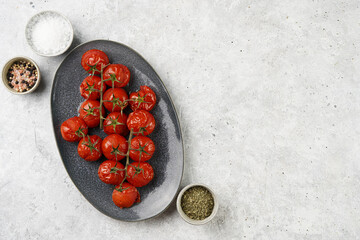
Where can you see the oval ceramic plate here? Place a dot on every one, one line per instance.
(168, 159)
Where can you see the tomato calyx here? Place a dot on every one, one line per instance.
(90, 110)
(113, 79)
(93, 68)
(115, 151)
(138, 170)
(115, 170)
(114, 122)
(139, 99)
(91, 88)
(142, 130)
(120, 188)
(80, 132)
(90, 145)
(116, 102)
(141, 149)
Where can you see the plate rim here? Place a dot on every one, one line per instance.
(176, 115)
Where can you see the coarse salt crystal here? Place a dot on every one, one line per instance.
(51, 34)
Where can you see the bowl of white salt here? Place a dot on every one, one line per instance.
(49, 33)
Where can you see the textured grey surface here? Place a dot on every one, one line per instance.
(168, 159)
(268, 98)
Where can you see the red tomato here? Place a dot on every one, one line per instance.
(73, 129)
(110, 172)
(89, 111)
(89, 148)
(114, 147)
(114, 99)
(118, 74)
(144, 99)
(140, 174)
(143, 147)
(125, 196)
(93, 60)
(115, 122)
(90, 87)
(141, 121)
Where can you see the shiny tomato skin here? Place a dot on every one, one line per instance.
(146, 94)
(93, 119)
(70, 126)
(143, 177)
(142, 141)
(92, 57)
(112, 93)
(111, 178)
(141, 120)
(114, 142)
(84, 148)
(126, 198)
(94, 82)
(121, 72)
(115, 122)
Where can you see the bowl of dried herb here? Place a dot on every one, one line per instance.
(197, 204)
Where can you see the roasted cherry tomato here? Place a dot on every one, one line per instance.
(143, 148)
(117, 75)
(93, 60)
(144, 99)
(139, 174)
(89, 148)
(125, 196)
(89, 111)
(73, 129)
(141, 121)
(114, 147)
(90, 87)
(115, 122)
(114, 99)
(111, 172)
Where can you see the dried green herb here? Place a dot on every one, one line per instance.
(197, 203)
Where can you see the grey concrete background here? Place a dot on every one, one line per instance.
(268, 98)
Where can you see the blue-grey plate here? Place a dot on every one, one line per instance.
(168, 159)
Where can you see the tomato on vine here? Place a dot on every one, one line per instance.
(93, 60)
(141, 149)
(90, 87)
(125, 196)
(115, 99)
(139, 174)
(89, 111)
(115, 122)
(144, 99)
(116, 75)
(73, 129)
(111, 172)
(141, 121)
(89, 148)
(114, 147)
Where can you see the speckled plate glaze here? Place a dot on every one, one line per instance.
(168, 159)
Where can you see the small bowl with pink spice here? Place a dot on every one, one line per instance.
(21, 75)
(49, 33)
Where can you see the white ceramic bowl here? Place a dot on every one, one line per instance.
(6, 69)
(185, 217)
(35, 20)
